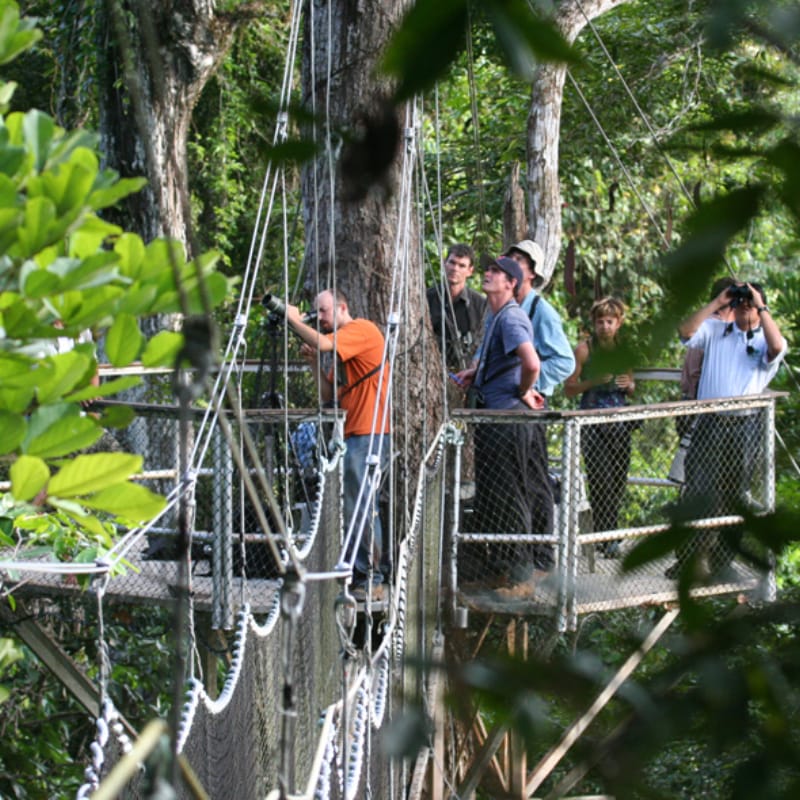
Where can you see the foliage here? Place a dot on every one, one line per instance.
(63, 271)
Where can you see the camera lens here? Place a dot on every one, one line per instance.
(273, 303)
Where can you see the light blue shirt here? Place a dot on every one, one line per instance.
(550, 341)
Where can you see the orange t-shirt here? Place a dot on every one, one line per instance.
(359, 346)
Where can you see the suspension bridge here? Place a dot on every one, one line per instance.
(287, 682)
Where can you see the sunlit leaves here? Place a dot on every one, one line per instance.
(162, 349)
(123, 340)
(29, 475)
(129, 502)
(12, 430)
(65, 435)
(92, 473)
(16, 34)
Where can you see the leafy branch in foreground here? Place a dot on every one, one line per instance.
(65, 271)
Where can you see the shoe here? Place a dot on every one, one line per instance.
(524, 590)
(360, 593)
(612, 549)
(674, 571)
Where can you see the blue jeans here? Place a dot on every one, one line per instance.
(355, 467)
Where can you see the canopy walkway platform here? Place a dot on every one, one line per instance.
(450, 563)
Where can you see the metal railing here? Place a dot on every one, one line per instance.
(614, 477)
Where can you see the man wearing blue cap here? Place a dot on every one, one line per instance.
(513, 493)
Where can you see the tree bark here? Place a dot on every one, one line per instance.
(352, 199)
(514, 221)
(155, 58)
(544, 128)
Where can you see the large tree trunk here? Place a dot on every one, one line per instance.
(544, 126)
(352, 216)
(155, 58)
(352, 219)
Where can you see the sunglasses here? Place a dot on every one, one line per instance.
(749, 349)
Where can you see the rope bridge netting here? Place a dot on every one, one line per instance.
(237, 744)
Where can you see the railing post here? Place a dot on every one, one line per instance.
(568, 527)
(770, 588)
(222, 541)
(459, 615)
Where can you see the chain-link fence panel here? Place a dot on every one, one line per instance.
(560, 498)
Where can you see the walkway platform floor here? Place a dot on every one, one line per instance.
(606, 590)
(150, 583)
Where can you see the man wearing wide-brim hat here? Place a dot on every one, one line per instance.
(555, 353)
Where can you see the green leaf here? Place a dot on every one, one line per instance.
(15, 35)
(94, 472)
(36, 282)
(162, 349)
(90, 308)
(12, 430)
(11, 160)
(117, 416)
(110, 195)
(429, 38)
(130, 502)
(131, 251)
(161, 255)
(123, 340)
(523, 38)
(21, 322)
(65, 436)
(69, 370)
(91, 235)
(29, 475)
(295, 151)
(751, 120)
(76, 274)
(67, 186)
(105, 389)
(38, 129)
(139, 301)
(36, 230)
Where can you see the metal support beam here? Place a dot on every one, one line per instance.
(50, 653)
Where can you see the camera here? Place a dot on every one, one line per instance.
(739, 294)
(274, 304)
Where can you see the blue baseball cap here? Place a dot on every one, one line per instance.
(510, 267)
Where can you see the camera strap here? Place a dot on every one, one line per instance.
(350, 386)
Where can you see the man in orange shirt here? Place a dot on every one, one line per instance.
(362, 391)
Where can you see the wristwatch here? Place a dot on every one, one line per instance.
(762, 308)
(522, 392)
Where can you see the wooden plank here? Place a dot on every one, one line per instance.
(480, 761)
(50, 653)
(549, 762)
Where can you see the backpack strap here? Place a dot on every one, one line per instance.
(533, 307)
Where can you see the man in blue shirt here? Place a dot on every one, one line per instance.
(555, 353)
(513, 493)
(552, 346)
(740, 357)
